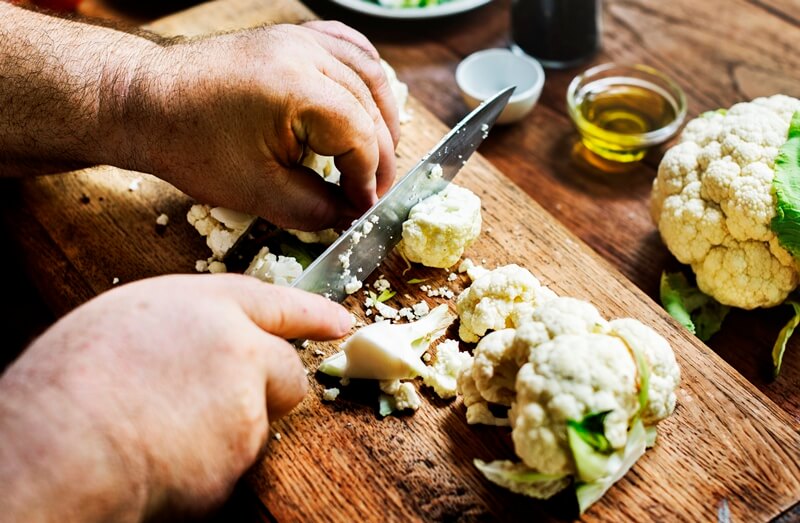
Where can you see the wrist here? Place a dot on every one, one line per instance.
(130, 107)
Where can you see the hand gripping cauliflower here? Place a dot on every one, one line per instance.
(489, 303)
(714, 203)
(582, 393)
(441, 226)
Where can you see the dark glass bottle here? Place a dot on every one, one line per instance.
(558, 33)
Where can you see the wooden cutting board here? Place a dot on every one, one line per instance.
(726, 444)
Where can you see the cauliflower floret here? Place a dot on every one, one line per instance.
(443, 374)
(280, 270)
(477, 407)
(713, 203)
(404, 395)
(567, 378)
(494, 367)
(489, 302)
(441, 226)
(664, 371)
(221, 227)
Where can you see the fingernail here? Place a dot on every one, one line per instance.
(346, 320)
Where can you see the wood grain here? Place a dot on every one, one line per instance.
(338, 462)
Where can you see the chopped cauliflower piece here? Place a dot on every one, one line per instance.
(489, 302)
(420, 309)
(280, 270)
(443, 374)
(330, 394)
(473, 271)
(162, 220)
(406, 397)
(221, 227)
(201, 266)
(216, 267)
(440, 227)
(386, 351)
(352, 285)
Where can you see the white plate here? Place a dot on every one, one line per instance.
(449, 8)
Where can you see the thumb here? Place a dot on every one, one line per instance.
(307, 202)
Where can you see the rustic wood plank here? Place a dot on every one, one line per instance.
(338, 462)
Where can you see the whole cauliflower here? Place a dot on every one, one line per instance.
(713, 202)
(561, 364)
(490, 302)
(440, 227)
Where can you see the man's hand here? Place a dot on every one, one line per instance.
(224, 118)
(153, 397)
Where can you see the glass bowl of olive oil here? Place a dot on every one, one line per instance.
(622, 110)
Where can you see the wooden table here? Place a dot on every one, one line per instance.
(719, 51)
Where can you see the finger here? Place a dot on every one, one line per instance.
(354, 50)
(347, 78)
(286, 312)
(286, 383)
(344, 32)
(306, 201)
(342, 128)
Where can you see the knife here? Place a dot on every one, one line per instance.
(361, 249)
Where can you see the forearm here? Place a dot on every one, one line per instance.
(63, 85)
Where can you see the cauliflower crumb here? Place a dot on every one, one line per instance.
(277, 436)
(216, 267)
(386, 311)
(452, 277)
(330, 394)
(382, 284)
(421, 309)
(201, 266)
(162, 220)
(115, 281)
(352, 286)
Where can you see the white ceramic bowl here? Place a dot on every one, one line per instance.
(482, 74)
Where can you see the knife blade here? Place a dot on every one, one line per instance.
(361, 249)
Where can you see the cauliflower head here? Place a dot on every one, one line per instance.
(441, 226)
(563, 362)
(489, 303)
(713, 202)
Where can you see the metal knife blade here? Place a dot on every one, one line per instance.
(361, 248)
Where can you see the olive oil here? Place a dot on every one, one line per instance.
(619, 111)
